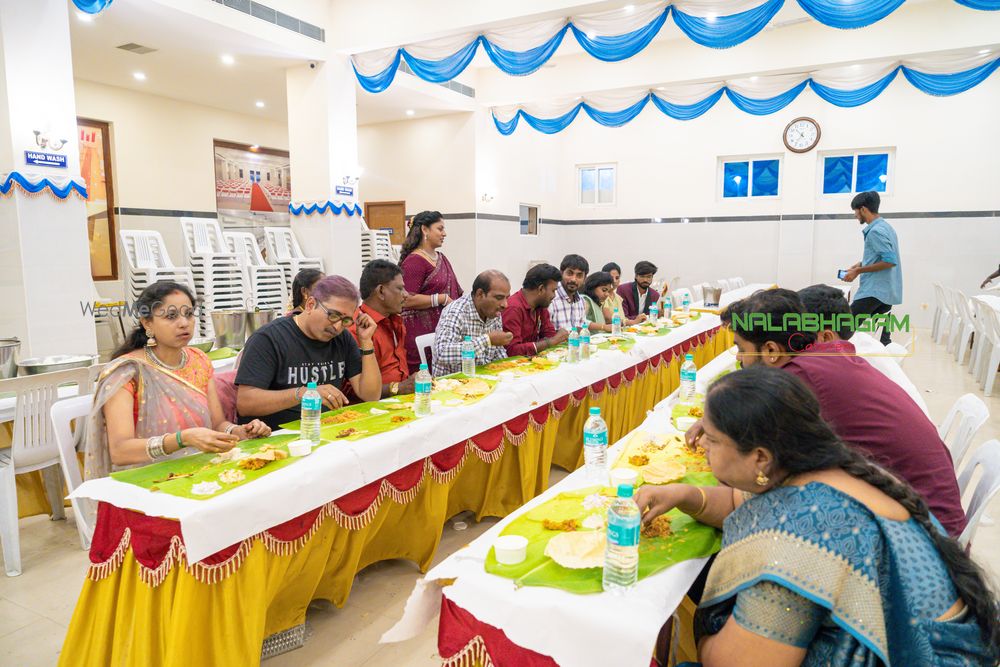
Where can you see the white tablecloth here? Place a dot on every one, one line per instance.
(339, 468)
(7, 405)
(580, 630)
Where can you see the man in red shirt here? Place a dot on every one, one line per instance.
(383, 294)
(527, 313)
(865, 408)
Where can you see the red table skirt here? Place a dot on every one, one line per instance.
(465, 641)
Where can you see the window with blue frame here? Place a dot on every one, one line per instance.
(750, 178)
(855, 172)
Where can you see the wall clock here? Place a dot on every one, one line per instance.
(801, 135)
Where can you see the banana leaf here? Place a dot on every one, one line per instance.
(690, 539)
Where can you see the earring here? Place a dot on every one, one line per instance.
(762, 479)
(150, 339)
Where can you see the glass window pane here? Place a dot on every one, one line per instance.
(765, 178)
(837, 172)
(588, 186)
(873, 172)
(606, 186)
(735, 179)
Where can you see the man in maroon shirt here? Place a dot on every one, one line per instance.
(865, 408)
(527, 313)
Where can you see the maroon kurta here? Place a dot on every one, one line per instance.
(629, 293)
(422, 277)
(874, 414)
(527, 324)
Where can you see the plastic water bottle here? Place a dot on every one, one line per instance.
(668, 306)
(468, 357)
(312, 406)
(574, 346)
(654, 312)
(686, 304)
(616, 323)
(689, 374)
(422, 392)
(595, 448)
(621, 556)
(584, 341)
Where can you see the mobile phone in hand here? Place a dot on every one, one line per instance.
(842, 274)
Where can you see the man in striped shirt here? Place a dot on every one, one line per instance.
(477, 314)
(568, 309)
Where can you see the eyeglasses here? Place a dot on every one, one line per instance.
(334, 317)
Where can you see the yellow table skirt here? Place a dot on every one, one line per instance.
(182, 622)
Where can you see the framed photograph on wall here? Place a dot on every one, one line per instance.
(95, 166)
(252, 187)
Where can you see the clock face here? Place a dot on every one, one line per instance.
(801, 135)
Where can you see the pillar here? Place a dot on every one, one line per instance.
(323, 143)
(45, 278)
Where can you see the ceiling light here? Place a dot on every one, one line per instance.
(259, 104)
(754, 78)
(255, 148)
(984, 52)
(661, 88)
(139, 76)
(710, 18)
(591, 34)
(410, 112)
(629, 9)
(228, 59)
(84, 17)
(657, 219)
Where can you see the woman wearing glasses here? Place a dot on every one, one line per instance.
(158, 398)
(283, 356)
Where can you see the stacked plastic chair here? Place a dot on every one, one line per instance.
(218, 276)
(283, 250)
(147, 262)
(266, 282)
(376, 244)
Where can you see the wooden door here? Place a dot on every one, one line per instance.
(388, 215)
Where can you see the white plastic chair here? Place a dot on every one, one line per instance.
(146, 262)
(987, 456)
(283, 250)
(62, 414)
(942, 313)
(980, 337)
(34, 447)
(696, 293)
(266, 281)
(989, 356)
(738, 282)
(897, 352)
(219, 280)
(725, 284)
(424, 343)
(965, 324)
(969, 413)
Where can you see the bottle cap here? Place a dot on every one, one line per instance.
(423, 367)
(688, 357)
(625, 490)
(595, 411)
(311, 385)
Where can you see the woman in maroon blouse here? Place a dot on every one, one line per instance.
(429, 279)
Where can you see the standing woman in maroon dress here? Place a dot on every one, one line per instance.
(429, 279)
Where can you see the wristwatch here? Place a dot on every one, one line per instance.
(365, 353)
(393, 388)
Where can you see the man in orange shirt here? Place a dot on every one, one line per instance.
(383, 294)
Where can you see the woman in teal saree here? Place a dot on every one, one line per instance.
(826, 558)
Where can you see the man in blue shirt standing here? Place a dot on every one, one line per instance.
(881, 276)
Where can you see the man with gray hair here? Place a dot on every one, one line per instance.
(284, 355)
(477, 315)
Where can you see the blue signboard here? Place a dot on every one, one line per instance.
(344, 190)
(45, 159)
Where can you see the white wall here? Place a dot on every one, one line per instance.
(669, 169)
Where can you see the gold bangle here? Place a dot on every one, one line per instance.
(704, 502)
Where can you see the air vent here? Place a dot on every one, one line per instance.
(138, 49)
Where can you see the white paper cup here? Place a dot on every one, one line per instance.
(300, 447)
(684, 423)
(510, 549)
(621, 476)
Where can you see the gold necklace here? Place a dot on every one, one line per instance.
(159, 362)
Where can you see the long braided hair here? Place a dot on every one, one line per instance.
(772, 409)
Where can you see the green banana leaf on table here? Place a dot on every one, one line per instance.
(689, 540)
(222, 353)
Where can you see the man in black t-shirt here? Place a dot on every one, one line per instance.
(283, 356)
